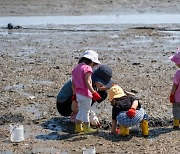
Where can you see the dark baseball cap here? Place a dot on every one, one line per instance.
(103, 74)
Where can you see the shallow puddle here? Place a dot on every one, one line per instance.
(92, 19)
(6, 152)
(15, 87)
(45, 149)
(33, 109)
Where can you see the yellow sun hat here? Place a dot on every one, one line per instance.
(115, 92)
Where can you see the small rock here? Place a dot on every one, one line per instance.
(10, 26)
(136, 63)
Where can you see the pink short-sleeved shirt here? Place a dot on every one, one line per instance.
(176, 80)
(78, 75)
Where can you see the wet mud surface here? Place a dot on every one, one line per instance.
(35, 61)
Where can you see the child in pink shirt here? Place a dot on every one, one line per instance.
(175, 91)
(83, 91)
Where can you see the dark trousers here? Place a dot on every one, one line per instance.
(64, 108)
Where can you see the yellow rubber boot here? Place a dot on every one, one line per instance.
(144, 127)
(176, 124)
(124, 131)
(78, 128)
(88, 129)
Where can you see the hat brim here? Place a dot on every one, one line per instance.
(96, 61)
(93, 60)
(106, 84)
(117, 96)
(175, 59)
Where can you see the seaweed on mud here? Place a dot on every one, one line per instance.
(10, 118)
(153, 122)
(105, 124)
(159, 122)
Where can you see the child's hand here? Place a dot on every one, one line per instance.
(117, 130)
(96, 96)
(171, 98)
(131, 112)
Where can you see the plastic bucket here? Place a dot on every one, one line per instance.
(93, 120)
(16, 133)
(89, 150)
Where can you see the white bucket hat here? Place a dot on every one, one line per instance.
(92, 55)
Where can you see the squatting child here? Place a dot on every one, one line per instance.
(126, 112)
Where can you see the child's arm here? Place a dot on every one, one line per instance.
(88, 82)
(114, 125)
(132, 111)
(173, 90)
(134, 104)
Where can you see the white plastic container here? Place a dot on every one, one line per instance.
(93, 118)
(89, 150)
(16, 133)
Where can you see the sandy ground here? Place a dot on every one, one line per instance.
(36, 62)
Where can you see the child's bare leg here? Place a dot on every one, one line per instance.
(74, 107)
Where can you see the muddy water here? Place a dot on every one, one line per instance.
(93, 19)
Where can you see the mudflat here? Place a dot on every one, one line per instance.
(35, 62)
